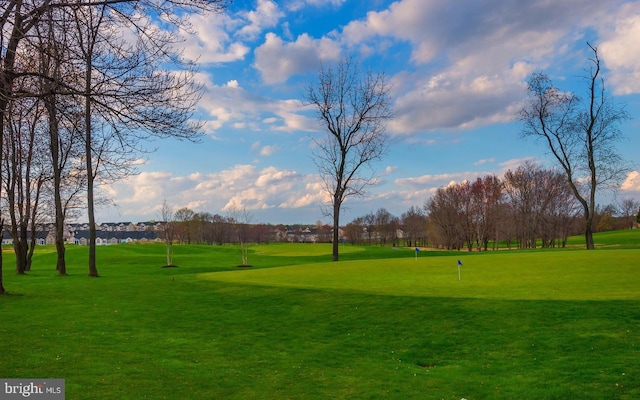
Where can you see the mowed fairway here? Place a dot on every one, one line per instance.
(568, 275)
(560, 324)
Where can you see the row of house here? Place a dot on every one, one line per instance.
(81, 237)
(155, 226)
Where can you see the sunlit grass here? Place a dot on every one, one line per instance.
(574, 275)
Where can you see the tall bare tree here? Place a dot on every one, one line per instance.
(581, 134)
(354, 109)
(25, 172)
(128, 94)
(61, 113)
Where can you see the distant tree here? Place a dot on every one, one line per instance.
(487, 194)
(627, 208)
(241, 220)
(354, 110)
(525, 193)
(581, 135)
(167, 216)
(386, 225)
(467, 215)
(259, 233)
(353, 231)
(445, 218)
(369, 223)
(221, 229)
(414, 225)
(185, 222)
(324, 232)
(604, 219)
(561, 210)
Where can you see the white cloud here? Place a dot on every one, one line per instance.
(232, 105)
(277, 60)
(296, 5)
(238, 187)
(632, 182)
(314, 195)
(266, 15)
(514, 163)
(211, 42)
(435, 181)
(471, 60)
(450, 100)
(485, 161)
(268, 150)
(620, 49)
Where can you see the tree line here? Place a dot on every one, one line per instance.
(83, 84)
(528, 207)
(186, 226)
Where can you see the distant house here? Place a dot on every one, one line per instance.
(117, 226)
(150, 226)
(104, 238)
(42, 237)
(7, 238)
(79, 227)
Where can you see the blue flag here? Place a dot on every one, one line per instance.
(459, 262)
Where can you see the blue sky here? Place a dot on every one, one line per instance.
(458, 71)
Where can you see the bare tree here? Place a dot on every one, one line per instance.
(167, 216)
(129, 96)
(445, 215)
(25, 172)
(61, 114)
(354, 109)
(184, 218)
(353, 231)
(487, 194)
(18, 21)
(241, 220)
(581, 135)
(628, 208)
(414, 223)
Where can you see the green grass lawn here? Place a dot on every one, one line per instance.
(558, 324)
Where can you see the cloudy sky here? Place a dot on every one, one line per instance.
(458, 71)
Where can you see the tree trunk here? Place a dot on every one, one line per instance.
(20, 248)
(93, 269)
(2, 291)
(7, 77)
(588, 233)
(61, 266)
(336, 230)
